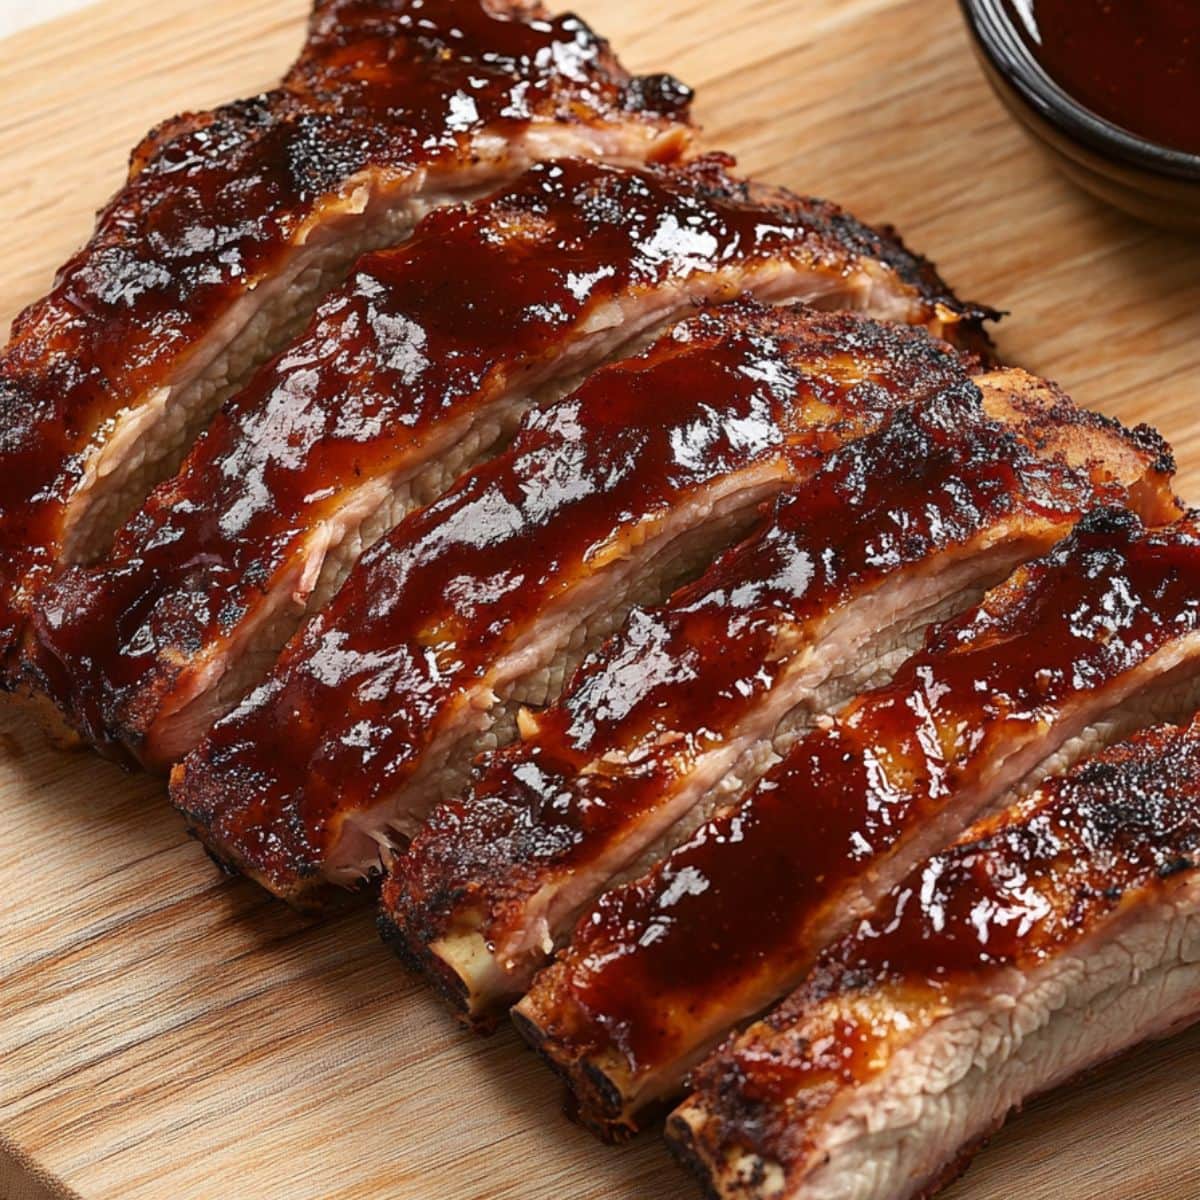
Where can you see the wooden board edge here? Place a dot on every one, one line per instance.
(21, 1177)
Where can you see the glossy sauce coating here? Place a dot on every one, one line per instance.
(735, 904)
(679, 680)
(1020, 889)
(1134, 62)
(479, 300)
(1015, 892)
(215, 202)
(358, 698)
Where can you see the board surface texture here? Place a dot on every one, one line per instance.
(166, 1033)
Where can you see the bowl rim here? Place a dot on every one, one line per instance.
(996, 33)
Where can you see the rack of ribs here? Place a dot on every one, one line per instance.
(415, 370)
(1098, 637)
(1048, 939)
(233, 223)
(487, 598)
(645, 573)
(691, 703)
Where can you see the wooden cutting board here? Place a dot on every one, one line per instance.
(166, 1034)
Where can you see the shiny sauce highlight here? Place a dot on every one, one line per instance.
(744, 898)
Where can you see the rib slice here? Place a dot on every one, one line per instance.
(234, 222)
(1101, 634)
(692, 703)
(486, 598)
(1046, 941)
(418, 368)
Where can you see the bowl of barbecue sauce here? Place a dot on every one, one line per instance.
(1110, 88)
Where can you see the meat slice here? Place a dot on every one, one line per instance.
(419, 367)
(486, 598)
(1047, 940)
(692, 703)
(1101, 634)
(234, 222)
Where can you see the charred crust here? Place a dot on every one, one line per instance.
(804, 334)
(1108, 521)
(199, 816)
(1177, 866)
(702, 1158)
(1152, 443)
(914, 269)
(189, 795)
(661, 93)
(694, 1155)
(1120, 822)
(446, 983)
(231, 187)
(849, 233)
(681, 1141)
(223, 865)
(887, 246)
(533, 1034)
(593, 1100)
(440, 875)
(604, 1101)
(394, 939)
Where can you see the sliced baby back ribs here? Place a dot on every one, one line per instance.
(1100, 634)
(233, 223)
(1047, 940)
(692, 702)
(487, 597)
(420, 366)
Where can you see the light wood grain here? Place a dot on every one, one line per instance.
(166, 1033)
(16, 15)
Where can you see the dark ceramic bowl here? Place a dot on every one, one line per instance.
(1153, 182)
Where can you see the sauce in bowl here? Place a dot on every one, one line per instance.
(1134, 62)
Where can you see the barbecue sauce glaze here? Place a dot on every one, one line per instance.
(807, 380)
(215, 201)
(745, 890)
(1134, 62)
(682, 677)
(1018, 890)
(389, 359)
